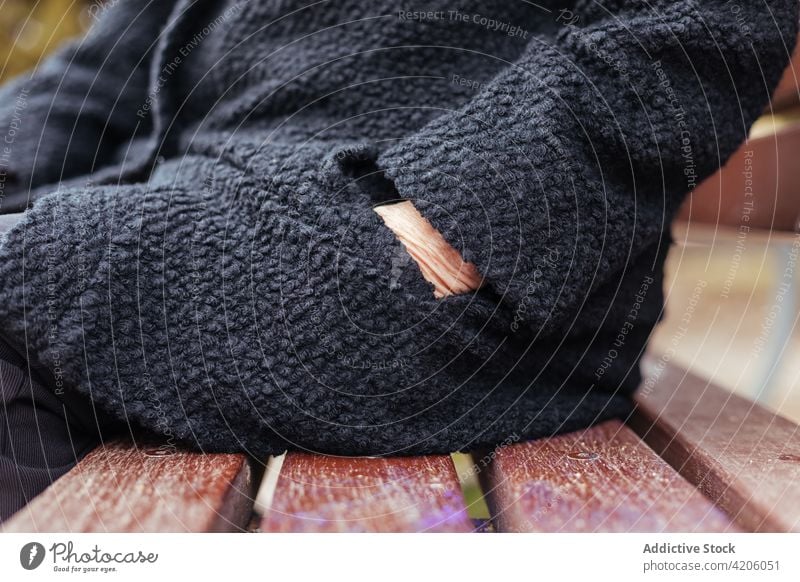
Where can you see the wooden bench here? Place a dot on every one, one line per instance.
(693, 457)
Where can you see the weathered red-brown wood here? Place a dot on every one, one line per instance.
(120, 487)
(740, 455)
(316, 493)
(787, 94)
(759, 181)
(603, 479)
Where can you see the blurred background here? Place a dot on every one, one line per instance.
(732, 311)
(732, 297)
(30, 29)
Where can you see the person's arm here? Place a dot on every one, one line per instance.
(245, 316)
(66, 117)
(576, 157)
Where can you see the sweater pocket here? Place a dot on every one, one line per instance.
(441, 265)
(353, 166)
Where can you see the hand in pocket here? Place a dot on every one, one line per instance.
(440, 264)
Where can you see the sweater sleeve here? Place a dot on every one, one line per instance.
(577, 155)
(66, 117)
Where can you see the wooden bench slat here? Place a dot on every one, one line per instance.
(121, 488)
(603, 479)
(740, 455)
(786, 93)
(317, 493)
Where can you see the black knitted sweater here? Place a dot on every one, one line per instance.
(202, 260)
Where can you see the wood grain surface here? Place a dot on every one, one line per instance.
(759, 181)
(739, 454)
(121, 488)
(604, 479)
(316, 493)
(787, 94)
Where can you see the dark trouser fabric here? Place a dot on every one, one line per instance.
(41, 438)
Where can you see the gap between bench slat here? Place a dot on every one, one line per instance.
(317, 493)
(121, 488)
(740, 455)
(603, 479)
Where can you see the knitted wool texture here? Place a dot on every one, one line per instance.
(202, 260)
